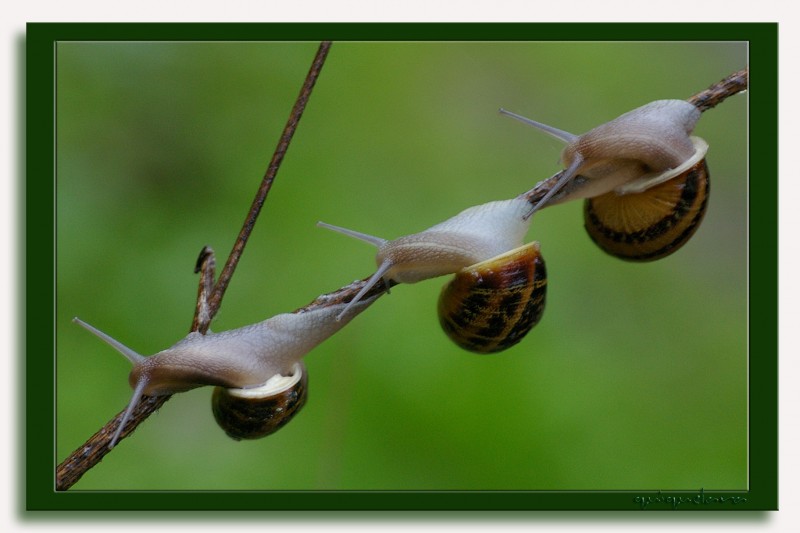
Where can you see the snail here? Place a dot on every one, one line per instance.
(498, 292)
(643, 175)
(261, 382)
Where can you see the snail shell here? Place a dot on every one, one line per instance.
(253, 413)
(490, 306)
(652, 224)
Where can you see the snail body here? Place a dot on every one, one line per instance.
(622, 169)
(480, 238)
(239, 360)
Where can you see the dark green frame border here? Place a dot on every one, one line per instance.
(40, 462)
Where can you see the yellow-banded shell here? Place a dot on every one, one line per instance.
(252, 413)
(491, 305)
(651, 224)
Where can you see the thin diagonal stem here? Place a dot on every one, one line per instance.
(86, 456)
(215, 300)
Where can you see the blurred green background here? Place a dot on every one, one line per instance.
(636, 377)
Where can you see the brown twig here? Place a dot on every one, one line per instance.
(215, 300)
(717, 93)
(206, 266)
(96, 447)
(93, 450)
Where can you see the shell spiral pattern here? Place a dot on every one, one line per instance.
(652, 224)
(490, 306)
(253, 414)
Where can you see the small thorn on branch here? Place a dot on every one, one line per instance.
(206, 266)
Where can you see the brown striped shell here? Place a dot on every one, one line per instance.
(492, 305)
(253, 413)
(652, 224)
